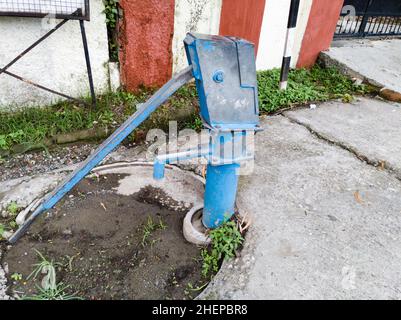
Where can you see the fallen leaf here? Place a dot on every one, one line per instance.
(204, 172)
(243, 222)
(357, 197)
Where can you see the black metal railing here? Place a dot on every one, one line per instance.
(361, 26)
(363, 18)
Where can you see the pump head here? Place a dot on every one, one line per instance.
(225, 73)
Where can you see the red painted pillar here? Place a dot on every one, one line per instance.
(242, 19)
(146, 42)
(319, 30)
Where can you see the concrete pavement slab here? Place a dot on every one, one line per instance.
(377, 61)
(325, 224)
(370, 128)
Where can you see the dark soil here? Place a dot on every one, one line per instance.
(98, 237)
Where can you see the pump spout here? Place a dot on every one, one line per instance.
(143, 112)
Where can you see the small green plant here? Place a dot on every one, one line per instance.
(347, 98)
(8, 224)
(47, 267)
(3, 142)
(190, 287)
(195, 123)
(13, 208)
(16, 276)
(58, 292)
(225, 242)
(2, 230)
(161, 225)
(149, 228)
(111, 13)
(49, 288)
(106, 118)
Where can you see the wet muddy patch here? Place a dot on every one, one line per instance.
(107, 245)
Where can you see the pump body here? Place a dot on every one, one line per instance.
(225, 74)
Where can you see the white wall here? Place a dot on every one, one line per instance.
(201, 16)
(58, 63)
(273, 33)
(303, 17)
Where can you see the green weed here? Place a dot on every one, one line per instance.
(13, 208)
(149, 228)
(304, 86)
(16, 276)
(111, 13)
(225, 242)
(58, 292)
(195, 123)
(8, 223)
(2, 230)
(49, 288)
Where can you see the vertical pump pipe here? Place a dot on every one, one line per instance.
(220, 194)
(289, 43)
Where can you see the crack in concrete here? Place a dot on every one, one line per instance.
(358, 155)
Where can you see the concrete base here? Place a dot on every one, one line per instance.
(183, 187)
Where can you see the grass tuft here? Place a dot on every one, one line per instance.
(32, 127)
(151, 227)
(49, 289)
(305, 86)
